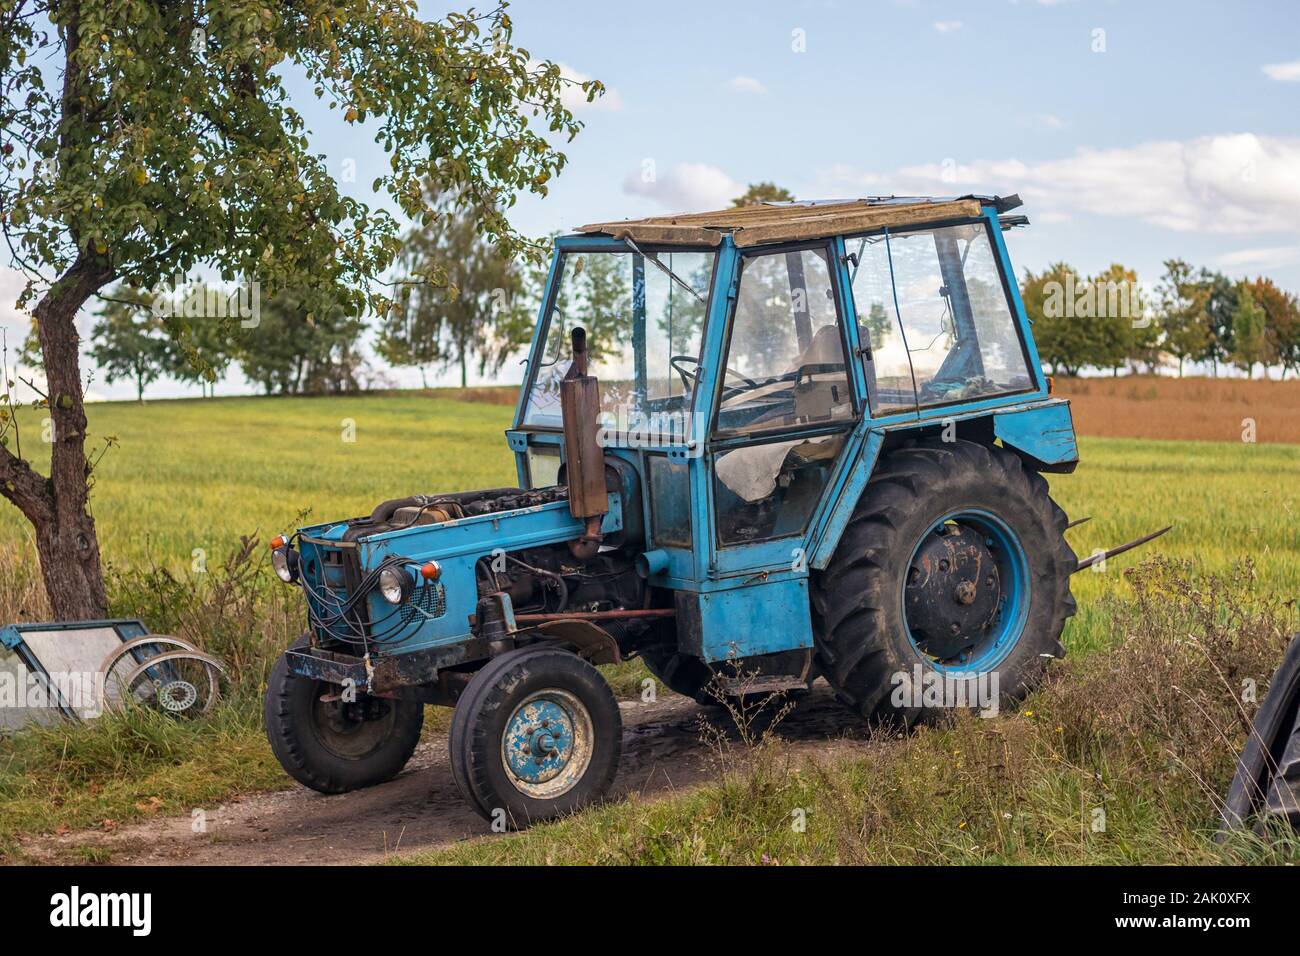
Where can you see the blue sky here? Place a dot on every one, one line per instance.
(1173, 141)
(1134, 131)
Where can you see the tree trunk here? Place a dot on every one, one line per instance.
(66, 541)
(464, 371)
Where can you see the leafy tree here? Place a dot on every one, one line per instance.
(29, 353)
(604, 288)
(130, 341)
(761, 193)
(202, 354)
(206, 335)
(1063, 343)
(1113, 337)
(683, 316)
(596, 293)
(1281, 322)
(169, 143)
(1220, 307)
(877, 324)
(1181, 309)
(292, 351)
(1249, 332)
(469, 313)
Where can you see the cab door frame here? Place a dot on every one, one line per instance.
(784, 556)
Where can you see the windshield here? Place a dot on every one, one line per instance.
(644, 311)
(940, 325)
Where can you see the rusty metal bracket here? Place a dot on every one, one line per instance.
(1137, 542)
(593, 642)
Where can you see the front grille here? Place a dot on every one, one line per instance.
(429, 598)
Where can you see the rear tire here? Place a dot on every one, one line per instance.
(536, 734)
(335, 747)
(997, 607)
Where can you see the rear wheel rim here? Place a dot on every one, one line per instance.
(547, 744)
(965, 593)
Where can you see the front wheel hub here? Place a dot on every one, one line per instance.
(954, 591)
(547, 743)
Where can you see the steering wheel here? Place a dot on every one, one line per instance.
(688, 376)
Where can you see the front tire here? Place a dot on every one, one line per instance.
(954, 567)
(332, 746)
(536, 734)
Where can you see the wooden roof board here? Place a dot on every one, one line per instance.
(755, 225)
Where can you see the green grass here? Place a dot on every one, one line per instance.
(1121, 758)
(1225, 500)
(198, 474)
(129, 766)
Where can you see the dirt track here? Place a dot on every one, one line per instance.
(421, 808)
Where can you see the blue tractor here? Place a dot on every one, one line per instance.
(754, 447)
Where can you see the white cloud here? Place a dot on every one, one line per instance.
(1235, 183)
(1269, 257)
(687, 187)
(745, 84)
(1047, 121)
(1283, 72)
(575, 100)
(947, 26)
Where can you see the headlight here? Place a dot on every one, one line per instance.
(285, 562)
(395, 585)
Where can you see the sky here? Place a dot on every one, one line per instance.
(1133, 131)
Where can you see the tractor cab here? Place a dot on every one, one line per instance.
(752, 363)
(754, 447)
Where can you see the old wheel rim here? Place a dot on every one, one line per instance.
(344, 729)
(966, 592)
(547, 744)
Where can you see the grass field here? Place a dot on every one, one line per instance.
(193, 475)
(198, 474)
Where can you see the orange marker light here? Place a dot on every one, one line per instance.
(431, 571)
(277, 542)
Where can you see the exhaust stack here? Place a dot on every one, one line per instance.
(584, 458)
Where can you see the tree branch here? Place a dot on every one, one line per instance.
(28, 490)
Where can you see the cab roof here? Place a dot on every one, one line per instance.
(794, 221)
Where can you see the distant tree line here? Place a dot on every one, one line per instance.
(459, 304)
(1107, 323)
(282, 347)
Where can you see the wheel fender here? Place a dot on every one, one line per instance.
(1044, 434)
(592, 642)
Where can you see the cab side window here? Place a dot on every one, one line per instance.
(785, 373)
(785, 364)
